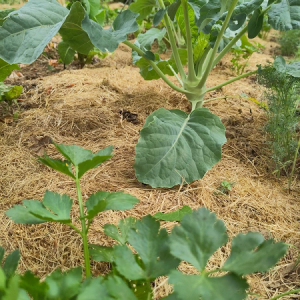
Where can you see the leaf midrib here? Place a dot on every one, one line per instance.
(179, 134)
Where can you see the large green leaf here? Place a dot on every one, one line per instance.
(152, 246)
(175, 147)
(122, 291)
(126, 263)
(251, 253)
(102, 201)
(6, 69)
(175, 215)
(195, 287)
(285, 15)
(37, 212)
(73, 34)
(26, 32)
(198, 237)
(109, 39)
(65, 52)
(142, 7)
(292, 69)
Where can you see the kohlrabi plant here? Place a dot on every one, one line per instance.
(157, 253)
(57, 208)
(175, 147)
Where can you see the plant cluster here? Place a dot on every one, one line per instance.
(283, 85)
(157, 252)
(174, 147)
(289, 42)
(241, 54)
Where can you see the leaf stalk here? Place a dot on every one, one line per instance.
(83, 226)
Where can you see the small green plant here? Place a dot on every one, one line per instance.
(158, 253)
(283, 85)
(289, 42)
(57, 208)
(242, 53)
(225, 187)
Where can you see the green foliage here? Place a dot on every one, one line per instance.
(242, 53)
(175, 215)
(289, 42)
(158, 253)
(210, 29)
(9, 94)
(181, 142)
(283, 83)
(57, 208)
(225, 187)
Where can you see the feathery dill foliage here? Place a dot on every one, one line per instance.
(282, 97)
(289, 42)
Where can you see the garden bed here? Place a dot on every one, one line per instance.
(107, 104)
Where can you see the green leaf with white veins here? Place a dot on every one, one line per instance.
(27, 31)
(251, 253)
(285, 15)
(60, 206)
(73, 34)
(199, 235)
(195, 287)
(65, 52)
(109, 39)
(175, 147)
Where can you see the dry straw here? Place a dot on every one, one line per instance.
(82, 107)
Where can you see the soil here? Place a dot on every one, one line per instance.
(107, 104)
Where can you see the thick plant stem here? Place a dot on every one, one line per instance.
(173, 42)
(84, 229)
(217, 43)
(156, 69)
(230, 81)
(191, 70)
(229, 46)
(286, 294)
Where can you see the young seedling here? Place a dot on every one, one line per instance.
(57, 208)
(174, 147)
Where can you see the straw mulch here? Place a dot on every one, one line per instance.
(83, 107)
